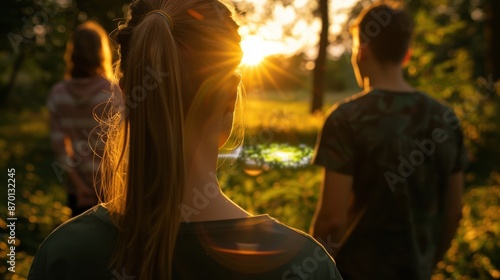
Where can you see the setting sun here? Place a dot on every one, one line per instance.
(255, 50)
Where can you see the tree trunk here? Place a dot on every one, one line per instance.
(494, 39)
(320, 65)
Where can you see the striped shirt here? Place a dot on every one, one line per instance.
(76, 107)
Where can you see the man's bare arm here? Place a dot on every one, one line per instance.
(330, 219)
(452, 214)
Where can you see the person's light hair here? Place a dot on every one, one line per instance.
(88, 52)
(173, 64)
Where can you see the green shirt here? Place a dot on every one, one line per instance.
(256, 247)
(400, 149)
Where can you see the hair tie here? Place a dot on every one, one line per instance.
(170, 21)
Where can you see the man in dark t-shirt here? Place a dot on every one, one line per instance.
(393, 160)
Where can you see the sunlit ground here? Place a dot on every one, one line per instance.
(256, 159)
(280, 132)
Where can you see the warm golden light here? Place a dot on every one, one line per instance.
(288, 29)
(255, 50)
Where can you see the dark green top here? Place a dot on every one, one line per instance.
(400, 148)
(257, 247)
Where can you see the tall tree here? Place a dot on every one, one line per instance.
(494, 38)
(318, 90)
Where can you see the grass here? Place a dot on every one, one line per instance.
(289, 195)
(284, 117)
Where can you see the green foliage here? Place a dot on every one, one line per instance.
(339, 75)
(39, 197)
(288, 195)
(448, 62)
(475, 251)
(276, 155)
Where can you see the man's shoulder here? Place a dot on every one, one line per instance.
(434, 101)
(439, 112)
(350, 107)
(376, 101)
(361, 100)
(351, 101)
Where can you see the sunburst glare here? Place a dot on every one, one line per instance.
(255, 49)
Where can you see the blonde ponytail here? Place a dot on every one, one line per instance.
(155, 175)
(144, 163)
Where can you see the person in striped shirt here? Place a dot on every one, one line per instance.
(76, 105)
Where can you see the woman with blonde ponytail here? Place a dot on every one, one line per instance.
(164, 215)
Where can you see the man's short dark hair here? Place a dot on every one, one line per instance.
(386, 30)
